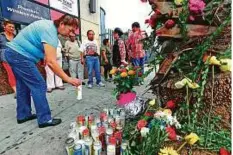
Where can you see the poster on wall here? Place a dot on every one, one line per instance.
(23, 11)
(68, 6)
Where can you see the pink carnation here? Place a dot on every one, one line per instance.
(196, 6)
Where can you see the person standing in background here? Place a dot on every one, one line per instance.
(106, 56)
(53, 81)
(5, 37)
(73, 55)
(90, 51)
(118, 51)
(135, 47)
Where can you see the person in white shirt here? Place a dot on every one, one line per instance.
(90, 51)
(73, 54)
(53, 81)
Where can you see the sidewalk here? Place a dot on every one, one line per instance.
(28, 139)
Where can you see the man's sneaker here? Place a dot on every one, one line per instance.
(89, 86)
(49, 90)
(110, 80)
(101, 84)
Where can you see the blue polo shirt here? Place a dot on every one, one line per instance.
(29, 41)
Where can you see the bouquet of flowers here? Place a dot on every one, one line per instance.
(125, 79)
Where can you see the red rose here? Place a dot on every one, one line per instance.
(147, 21)
(157, 11)
(143, 1)
(170, 104)
(170, 24)
(171, 133)
(123, 70)
(139, 74)
(149, 114)
(223, 151)
(141, 123)
(153, 20)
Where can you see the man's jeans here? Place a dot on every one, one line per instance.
(76, 69)
(139, 62)
(28, 80)
(93, 63)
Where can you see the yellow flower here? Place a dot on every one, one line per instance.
(225, 65)
(152, 102)
(113, 71)
(192, 138)
(124, 74)
(178, 2)
(214, 61)
(167, 111)
(181, 84)
(131, 72)
(186, 81)
(168, 151)
(193, 85)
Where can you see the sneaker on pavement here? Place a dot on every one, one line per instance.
(52, 122)
(49, 90)
(89, 86)
(61, 87)
(101, 84)
(110, 80)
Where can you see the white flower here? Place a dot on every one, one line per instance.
(144, 131)
(159, 114)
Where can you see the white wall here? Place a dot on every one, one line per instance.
(89, 21)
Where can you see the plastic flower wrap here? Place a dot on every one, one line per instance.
(186, 81)
(144, 131)
(225, 65)
(192, 138)
(168, 151)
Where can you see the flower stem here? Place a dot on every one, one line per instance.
(211, 106)
(187, 102)
(181, 146)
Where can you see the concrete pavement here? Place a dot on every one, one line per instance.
(28, 139)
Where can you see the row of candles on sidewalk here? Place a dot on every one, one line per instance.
(100, 135)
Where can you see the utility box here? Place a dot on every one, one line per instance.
(92, 6)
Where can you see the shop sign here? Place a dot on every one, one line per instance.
(68, 6)
(23, 11)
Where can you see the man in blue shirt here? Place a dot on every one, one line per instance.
(37, 41)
